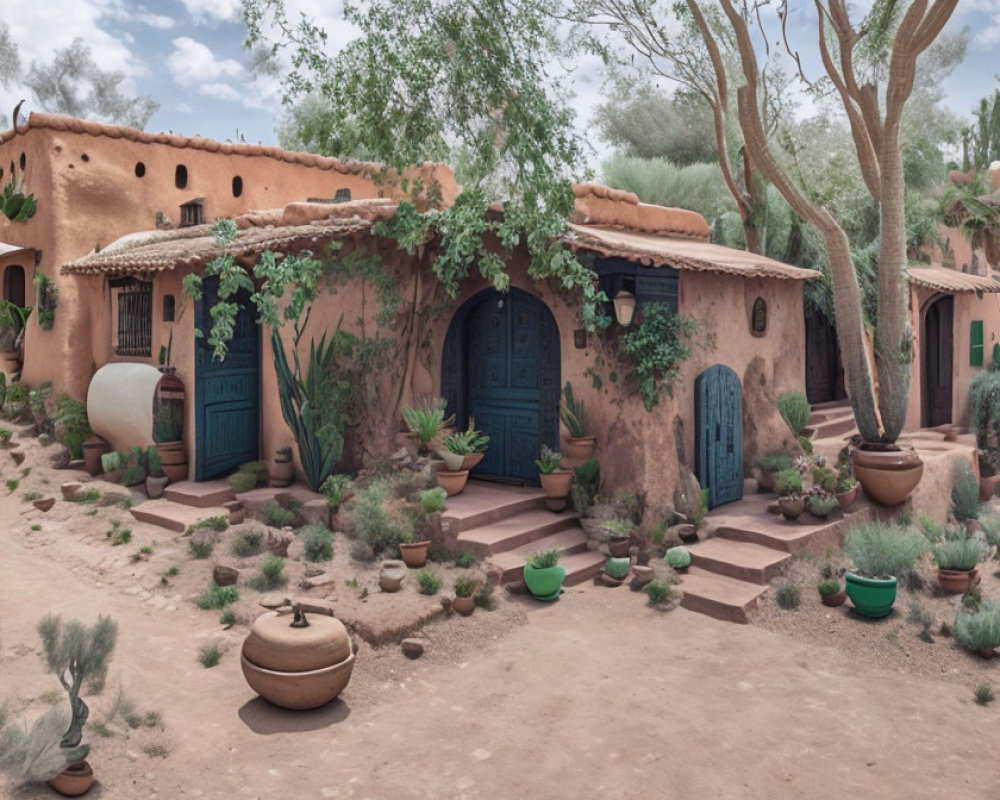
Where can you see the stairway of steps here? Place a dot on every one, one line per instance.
(747, 546)
(504, 525)
(829, 420)
(186, 503)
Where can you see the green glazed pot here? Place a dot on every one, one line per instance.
(618, 567)
(872, 597)
(544, 583)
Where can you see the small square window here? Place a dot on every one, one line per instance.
(133, 301)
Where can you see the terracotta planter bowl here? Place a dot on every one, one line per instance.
(791, 507)
(578, 451)
(299, 690)
(472, 460)
(414, 553)
(956, 581)
(176, 472)
(464, 605)
(556, 484)
(453, 482)
(620, 546)
(848, 498)
(75, 780)
(888, 477)
(834, 600)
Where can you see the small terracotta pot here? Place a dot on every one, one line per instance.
(176, 472)
(791, 507)
(155, 486)
(75, 780)
(556, 484)
(847, 499)
(887, 476)
(956, 581)
(281, 473)
(415, 553)
(453, 482)
(577, 451)
(620, 546)
(93, 449)
(464, 605)
(171, 453)
(834, 600)
(472, 460)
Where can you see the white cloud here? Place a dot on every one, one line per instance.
(209, 10)
(220, 91)
(184, 108)
(990, 34)
(194, 65)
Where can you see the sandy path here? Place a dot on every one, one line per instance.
(595, 696)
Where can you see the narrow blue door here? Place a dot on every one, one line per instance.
(719, 434)
(226, 392)
(513, 381)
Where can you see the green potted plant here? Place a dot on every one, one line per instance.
(831, 592)
(619, 533)
(847, 491)
(412, 547)
(555, 480)
(425, 424)
(156, 481)
(168, 434)
(882, 554)
(957, 557)
(282, 469)
(465, 590)
(679, 558)
(464, 450)
(543, 576)
(788, 484)
(453, 451)
(822, 503)
(979, 630)
(77, 655)
(615, 571)
(12, 320)
(578, 447)
(770, 465)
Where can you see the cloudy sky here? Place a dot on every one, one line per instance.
(187, 55)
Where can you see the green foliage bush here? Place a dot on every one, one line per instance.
(243, 481)
(965, 493)
(317, 541)
(428, 582)
(795, 410)
(335, 488)
(975, 630)
(425, 422)
(217, 524)
(776, 461)
(433, 500)
(653, 352)
(465, 586)
(71, 424)
(272, 573)
(788, 482)
(658, 591)
(200, 548)
(678, 557)
(209, 655)
(274, 515)
(543, 559)
(829, 587)
(373, 523)
(217, 597)
(881, 550)
(962, 553)
(247, 543)
(788, 596)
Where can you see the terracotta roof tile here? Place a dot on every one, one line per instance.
(952, 281)
(595, 204)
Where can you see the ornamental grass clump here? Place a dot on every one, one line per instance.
(317, 541)
(978, 630)
(828, 587)
(883, 550)
(428, 582)
(376, 525)
(543, 559)
(795, 410)
(658, 592)
(958, 554)
(965, 493)
(788, 596)
(465, 586)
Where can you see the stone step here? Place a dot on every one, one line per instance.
(744, 561)
(515, 531)
(835, 426)
(718, 596)
(823, 411)
(806, 533)
(206, 494)
(175, 516)
(570, 543)
(484, 503)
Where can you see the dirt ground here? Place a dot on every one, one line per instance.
(595, 695)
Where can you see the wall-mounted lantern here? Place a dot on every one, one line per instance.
(624, 303)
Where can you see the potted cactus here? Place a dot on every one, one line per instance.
(555, 480)
(76, 655)
(465, 589)
(156, 481)
(619, 533)
(578, 447)
(791, 502)
(543, 576)
(679, 558)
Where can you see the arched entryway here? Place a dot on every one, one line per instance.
(937, 360)
(13, 285)
(824, 369)
(501, 367)
(719, 434)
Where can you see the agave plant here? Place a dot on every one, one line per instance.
(571, 412)
(425, 422)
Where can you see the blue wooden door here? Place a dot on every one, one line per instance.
(512, 381)
(719, 427)
(226, 392)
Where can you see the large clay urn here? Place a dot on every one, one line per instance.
(888, 476)
(297, 663)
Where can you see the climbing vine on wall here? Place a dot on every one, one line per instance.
(48, 299)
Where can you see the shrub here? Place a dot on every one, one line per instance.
(543, 559)
(678, 557)
(433, 500)
(788, 596)
(374, 525)
(984, 694)
(976, 630)
(247, 543)
(776, 461)
(484, 597)
(828, 588)
(464, 560)
(72, 427)
(6, 434)
(881, 550)
(965, 493)
(428, 582)
(317, 543)
(653, 350)
(961, 553)
(218, 524)
(931, 529)
(243, 481)
(12, 484)
(89, 496)
(918, 615)
(200, 548)
(334, 489)
(465, 586)
(217, 597)
(658, 591)
(227, 617)
(209, 655)
(795, 410)
(271, 575)
(274, 515)
(118, 535)
(788, 482)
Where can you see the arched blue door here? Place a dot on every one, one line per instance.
(226, 392)
(501, 367)
(719, 433)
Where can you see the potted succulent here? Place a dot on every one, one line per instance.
(831, 592)
(465, 589)
(413, 550)
(156, 481)
(791, 501)
(770, 465)
(847, 491)
(619, 536)
(882, 554)
(957, 557)
(578, 447)
(616, 571)
(471, 445)
(76, 655)
(822, 503)
(543, 576)
(425, 423)
(555, 480)
(168, 432)
(282, 469)
(679, 558)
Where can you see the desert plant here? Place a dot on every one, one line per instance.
(828, 587)
(991, 529)
(788, 595)
(466, 442)
(334, 488)
(464, 559)
(71, 424)
(118, 535)
(931, 529)
(965, 493)
(788, 483)
(678, 557)
(154, 465)
(484, 597)
(543, 559)
(168, 421)
(243, 481)
(428, 582)
(271, 574)
(274, 515)
(218, 524)
(549, 460)
(978, 630)
(6, 434)
(658, 591)
(317, 542)
(984, 694)
(88, 496)
(247, 543)
(217, 597)
(374, 525)
(961, 553)
(587, 484)
(825, 478)
(433, 500)
(571, 413)
(200, 548)
(227, 617)
(882, 550)
(776, 461)
(795, 410)
(209, 655)
(425, 422)
(48, 300)
(465, 586)
(918, 615)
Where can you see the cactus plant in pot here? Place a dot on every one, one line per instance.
(679, 558)
(156, 481)
(788, 484)
(957, 558)
(882, 554)
(543, 576)
(465, 590)
(577, 447)
(619, 533)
